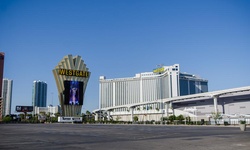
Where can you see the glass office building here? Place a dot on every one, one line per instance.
(39, 94)
(191, 84)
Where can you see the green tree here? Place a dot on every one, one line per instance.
(164, 118)
(21, 116)
(57, 114)
(7, 119)
(48, 118)
(188, 119)
(135, 118)
(172, 118)
(180, 118)
(34, 119)
(117, 118)
(216, 116)
(88, 112)
(54, 119)
(88, 117)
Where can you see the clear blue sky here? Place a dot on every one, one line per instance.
(119, 38)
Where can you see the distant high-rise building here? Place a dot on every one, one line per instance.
(7, 96)
(1, 79)
(39, 94)
(1, 70)
(192, 84)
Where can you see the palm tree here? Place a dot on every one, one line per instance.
(88, 112)
(216, 116)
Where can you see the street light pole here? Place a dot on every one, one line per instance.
(52, 97)
(162, 111)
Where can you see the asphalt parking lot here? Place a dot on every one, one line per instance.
(122, 137)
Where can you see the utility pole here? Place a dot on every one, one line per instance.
(52, 98)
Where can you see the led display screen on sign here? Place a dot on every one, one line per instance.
(73, 93)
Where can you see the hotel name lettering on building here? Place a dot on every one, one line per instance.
(158, 70)
(77, 73)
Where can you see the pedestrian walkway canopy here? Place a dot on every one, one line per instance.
(214, 95)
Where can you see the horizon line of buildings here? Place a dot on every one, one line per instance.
(39, 92)
(162, 83)
(39, 95)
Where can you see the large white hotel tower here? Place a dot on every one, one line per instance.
(163, 82)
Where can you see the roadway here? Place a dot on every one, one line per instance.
(122, 137)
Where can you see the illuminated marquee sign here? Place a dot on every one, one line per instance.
(77, 73)
(158, 70)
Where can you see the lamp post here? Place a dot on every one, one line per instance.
(100, 115)
(52, 97)
(162, 111)
(224, 110)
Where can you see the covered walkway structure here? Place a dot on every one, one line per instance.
(215, 95)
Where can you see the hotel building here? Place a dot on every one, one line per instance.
(39, 94)
(52, 110)
(1, 79)
(164, 82)
(7, 96)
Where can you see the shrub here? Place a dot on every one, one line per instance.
(172, 118)
(135, 118)
(242, 122)
(180, 118)
(7, 119)
(226, 123)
